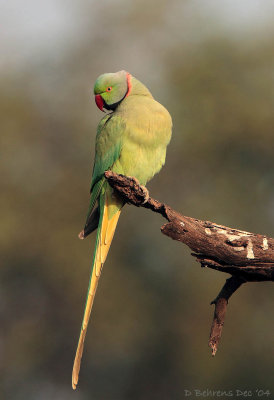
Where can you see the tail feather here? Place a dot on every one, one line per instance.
(104, 238)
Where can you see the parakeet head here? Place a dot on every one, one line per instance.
(110, 89)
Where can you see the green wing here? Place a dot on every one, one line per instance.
(107, 151)
(108, 145)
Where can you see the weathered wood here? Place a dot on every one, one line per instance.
(247, 256)
(221, 301)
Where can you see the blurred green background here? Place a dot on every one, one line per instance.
(211, 64)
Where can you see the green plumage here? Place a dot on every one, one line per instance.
(131, 140)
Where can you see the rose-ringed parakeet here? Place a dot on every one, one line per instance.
(131, 140)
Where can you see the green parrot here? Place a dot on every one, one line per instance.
(131, 140)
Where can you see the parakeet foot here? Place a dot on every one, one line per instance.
(143, 189)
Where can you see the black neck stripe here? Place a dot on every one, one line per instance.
(115, 105)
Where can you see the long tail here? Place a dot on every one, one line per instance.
(106, 229)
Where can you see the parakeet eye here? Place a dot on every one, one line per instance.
(109, 89)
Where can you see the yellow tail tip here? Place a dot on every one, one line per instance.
(74, 383)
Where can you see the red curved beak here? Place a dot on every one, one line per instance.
(99, 101)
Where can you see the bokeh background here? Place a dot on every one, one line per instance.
(211, 64)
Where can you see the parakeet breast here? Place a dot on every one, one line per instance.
(147, 133)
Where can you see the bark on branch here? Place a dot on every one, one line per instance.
(247, 256)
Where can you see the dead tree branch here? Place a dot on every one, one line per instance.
(247, 256)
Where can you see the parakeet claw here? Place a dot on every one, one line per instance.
(145, 193)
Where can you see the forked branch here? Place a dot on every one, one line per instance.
(247, 256)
